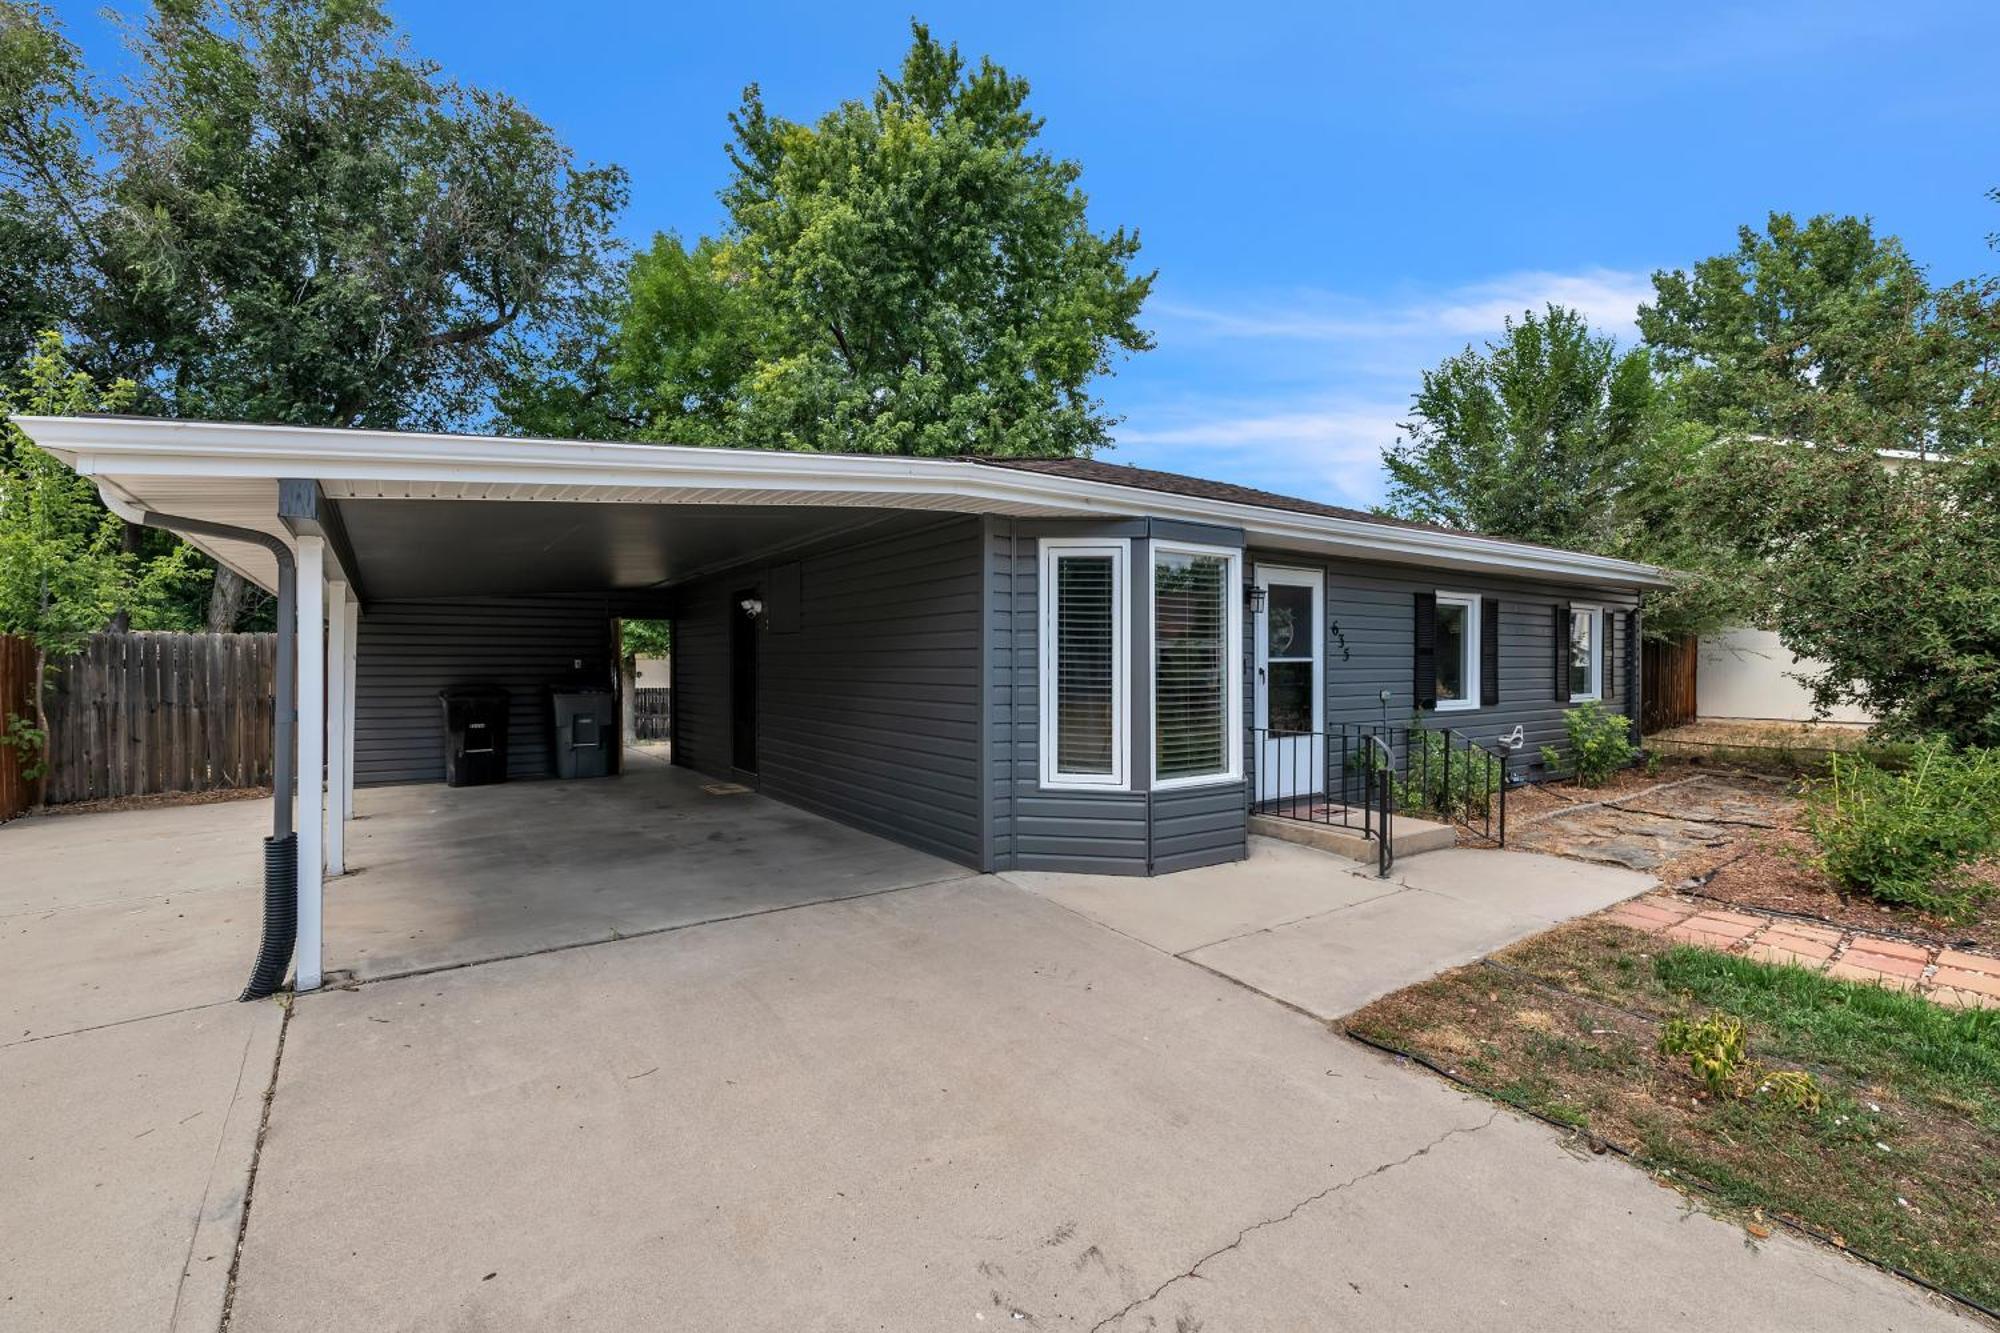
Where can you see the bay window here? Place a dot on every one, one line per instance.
(1197, 621)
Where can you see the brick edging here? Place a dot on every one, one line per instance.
(1947, 976)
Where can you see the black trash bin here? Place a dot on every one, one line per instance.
(475, 735)
(584, 719)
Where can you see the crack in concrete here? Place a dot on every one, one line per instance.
(1194, 1269)
(1400, 887)
(353, 983)
(250, 1177)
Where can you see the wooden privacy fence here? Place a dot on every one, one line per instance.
(1669, 675)
(17, 698)
(652, 714)
(136, 714)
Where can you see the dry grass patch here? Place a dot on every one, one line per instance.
(1900, 1159)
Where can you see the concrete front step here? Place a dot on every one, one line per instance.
(1411, 836)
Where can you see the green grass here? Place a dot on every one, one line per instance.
(1950, 1057)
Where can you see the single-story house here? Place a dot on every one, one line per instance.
(1010, 663)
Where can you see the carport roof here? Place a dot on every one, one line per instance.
(229, 473)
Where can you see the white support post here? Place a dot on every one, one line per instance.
(312, 756)
(352, 614)
(337, 651)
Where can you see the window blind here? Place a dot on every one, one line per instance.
(1086, 661)
(1190, 664)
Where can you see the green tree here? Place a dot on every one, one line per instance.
(1554, 435)
(282, 215)
(906, 275)
(1825, 333)
(64, 565)
(1883, 574)
(1534, 438)
(1853, 472)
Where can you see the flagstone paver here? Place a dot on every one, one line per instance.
(1947, 976)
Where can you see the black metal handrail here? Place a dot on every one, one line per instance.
(1342, 777)
(1355, 777)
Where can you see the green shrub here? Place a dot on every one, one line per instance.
(1910, 836)
(1600, 744)
(1445, 779)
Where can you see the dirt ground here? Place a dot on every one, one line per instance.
(159, 800)
(1731, 835)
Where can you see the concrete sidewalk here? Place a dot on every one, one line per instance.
(1327, 936)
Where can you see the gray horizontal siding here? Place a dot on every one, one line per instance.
(1199, 826)
(407, 651)
(868, 712)
(1373, 608)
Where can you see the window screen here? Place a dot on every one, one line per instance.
(1582, 627)
(1453, 645)
(1191, 663)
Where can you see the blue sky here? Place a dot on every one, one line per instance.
(1336, 195)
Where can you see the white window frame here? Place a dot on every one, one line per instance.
(1596, 613)
(1232, 656)
(1120, 551)
(1469, 672)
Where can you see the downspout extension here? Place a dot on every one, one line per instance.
(281, 849)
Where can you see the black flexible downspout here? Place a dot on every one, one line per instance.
(281, 849)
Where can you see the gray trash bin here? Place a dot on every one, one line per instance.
(584, 721)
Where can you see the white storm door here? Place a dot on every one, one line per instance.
(1289, 742)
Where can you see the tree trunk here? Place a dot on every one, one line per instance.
(225, 600)
(128, 544)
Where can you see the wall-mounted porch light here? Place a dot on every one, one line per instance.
(1253, 599)
(752, 606)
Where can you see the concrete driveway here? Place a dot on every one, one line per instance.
(958, 1104)
(131, 1083)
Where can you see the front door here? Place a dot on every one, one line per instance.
(743, 608)
(1289, 744)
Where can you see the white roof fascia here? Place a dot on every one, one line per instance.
(136, 447)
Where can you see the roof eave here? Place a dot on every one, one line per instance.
(137, 447)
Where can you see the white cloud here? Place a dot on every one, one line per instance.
(1329, 450)
(1317, 381)
(1609, 298)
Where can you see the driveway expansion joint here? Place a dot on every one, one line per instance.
(1194, 1270)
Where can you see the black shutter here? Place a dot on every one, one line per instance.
(1562, 652)
(1426, 644)
(1606, 672)
(1489, 651)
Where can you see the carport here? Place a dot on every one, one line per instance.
(427, 561)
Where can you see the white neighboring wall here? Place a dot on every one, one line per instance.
(654, 673)
(1748, 673)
